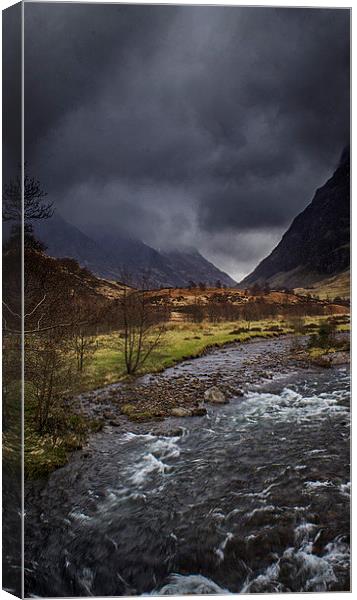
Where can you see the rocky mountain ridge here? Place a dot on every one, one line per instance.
(317, 244)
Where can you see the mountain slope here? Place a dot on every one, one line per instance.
(139, 262)
(330, 287)
(118, 257)
(192, 266)
(64, 240)
(317, 244)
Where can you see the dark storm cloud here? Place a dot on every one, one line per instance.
(11, 62)
(199, 125)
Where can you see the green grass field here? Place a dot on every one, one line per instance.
(180, 341)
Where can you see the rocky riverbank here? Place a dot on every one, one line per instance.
(184, 391)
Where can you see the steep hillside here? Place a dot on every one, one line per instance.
(337, 286)
(64, 240)
(317, 244)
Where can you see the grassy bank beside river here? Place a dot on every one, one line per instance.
(181, 341)
(46, 452)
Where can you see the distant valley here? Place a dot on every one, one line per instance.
(313, 256)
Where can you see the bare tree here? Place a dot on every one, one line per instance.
(58, 307)
(84, 343)
(84, 346)
(35, 206)
(214, 310)
(196, 311)
(49, 372)
(142, 326)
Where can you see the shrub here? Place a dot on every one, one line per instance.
(297, 324)
(325, 337)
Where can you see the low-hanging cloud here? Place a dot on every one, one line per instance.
(202, 126)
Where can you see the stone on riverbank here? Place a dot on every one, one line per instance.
(179, 411)
(215, 396)
(199, 411)
(340, 358)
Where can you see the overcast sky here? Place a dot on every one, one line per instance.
(203, 126)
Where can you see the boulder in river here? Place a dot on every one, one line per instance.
(215, 396)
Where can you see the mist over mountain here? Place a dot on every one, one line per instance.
(209, 126)
(118, 257)
(317, 244)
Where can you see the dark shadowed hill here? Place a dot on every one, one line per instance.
(118, 257)
(64, 240)
(317, 244)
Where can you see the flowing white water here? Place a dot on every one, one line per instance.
(253, 498)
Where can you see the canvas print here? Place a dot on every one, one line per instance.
(181, 215)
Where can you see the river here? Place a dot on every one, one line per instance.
(252, 497)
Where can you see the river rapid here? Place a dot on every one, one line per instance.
(252, 497)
